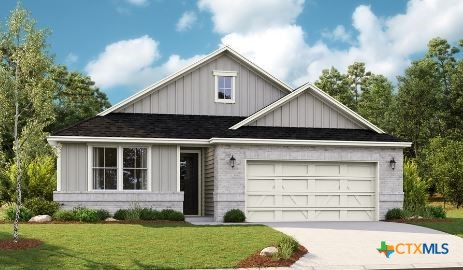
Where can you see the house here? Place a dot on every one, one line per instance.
(222, 134)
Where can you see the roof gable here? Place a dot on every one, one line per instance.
(224, 50)
(337, 115)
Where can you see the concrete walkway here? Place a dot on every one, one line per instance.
(352, 245)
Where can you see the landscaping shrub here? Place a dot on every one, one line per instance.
(172, 215)
(133, 214)
(415, 188)
(102, 214)
(40, 206)
(286, 247)
(234, 215)
(149, 214)
(86, 215)
(395, 213)
(24, 214)
(437, 211)
(64, 215)
(120, 214)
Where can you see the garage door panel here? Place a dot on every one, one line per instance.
(261, 185)
(310, 191)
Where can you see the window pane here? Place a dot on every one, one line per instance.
(140, 161)
(98, 178)
(220, 94)
(227, 93)
(227, 82)
(110, 179)
(129, 157)
(110, 157)
(98, 157)
(135, 179)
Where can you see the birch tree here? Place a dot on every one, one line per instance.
(26, 91)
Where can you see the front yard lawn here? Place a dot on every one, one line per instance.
(135, 246)
(453, 225)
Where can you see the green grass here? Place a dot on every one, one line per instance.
(135, 246)
(453, 225)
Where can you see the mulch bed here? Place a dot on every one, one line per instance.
(255, 260)
(23, 243)
(160, 222)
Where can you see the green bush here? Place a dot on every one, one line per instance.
(172, 215)
(437, 211)
(86, 215)
(120, 214)
(286, 247)
(102, 214)
(415, 188)
(234, 215)
(40, 206)
(24, 213)
(133, 214)
(64, 215)
(395, 213)
(149, 214)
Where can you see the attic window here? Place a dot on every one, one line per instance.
(225, 86)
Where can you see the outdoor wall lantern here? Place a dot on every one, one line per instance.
(392, 163)
(232, 161)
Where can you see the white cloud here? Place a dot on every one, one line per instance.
(71, 58)
(186, 21)
(242, 16)
(138, 2)
(132, 63)
(338, 34)
(384, 44)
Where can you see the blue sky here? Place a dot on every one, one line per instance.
(125, 45)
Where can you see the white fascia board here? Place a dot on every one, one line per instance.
(189, 68)
(317, 91)
(85, 139)
(309, 142)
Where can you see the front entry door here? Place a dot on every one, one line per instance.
(189, 182)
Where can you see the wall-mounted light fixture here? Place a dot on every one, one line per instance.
(232, 161)
(392, 163)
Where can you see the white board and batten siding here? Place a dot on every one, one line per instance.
(194, 92)
(311, 191)
(306, 110)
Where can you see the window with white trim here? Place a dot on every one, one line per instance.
(225, 86)
(104, 168)
(135, 168)
(119, 168)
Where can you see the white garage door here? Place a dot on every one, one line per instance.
(310, 191)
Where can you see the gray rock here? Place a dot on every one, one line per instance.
(110, 219)
(269, 251)
(40, 218)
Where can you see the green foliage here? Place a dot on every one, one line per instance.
(234, 215)
(102, 214)
(24, 214)
(86, 215)
(64, 215)
(120, 214)
(437, 211)
(444, 166)
(395, 214)
(40, 206)
(172, 215)
(149, 214)
(357, 74)
(75, 98)
(415, 188)
(336, 85)
(286, 247)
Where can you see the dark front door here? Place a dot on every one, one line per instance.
(189, 182)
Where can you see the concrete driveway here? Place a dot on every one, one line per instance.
(352, 245)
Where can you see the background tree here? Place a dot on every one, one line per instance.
(336, 85)
(376, 102)
(357, 74)
(76, 98)
(26, 92)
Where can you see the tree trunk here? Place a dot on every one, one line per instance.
(17, 154)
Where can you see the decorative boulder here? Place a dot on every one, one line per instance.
(40, 218)
(269, 251)
(110, 219)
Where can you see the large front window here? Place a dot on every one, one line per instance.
(119, 168)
